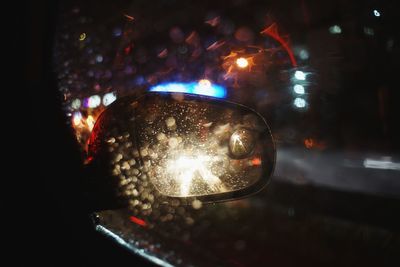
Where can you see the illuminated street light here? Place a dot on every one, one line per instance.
(242, 62)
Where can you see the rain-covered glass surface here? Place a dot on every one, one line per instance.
(324, 77)
(184, 146)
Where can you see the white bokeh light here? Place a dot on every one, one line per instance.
(76, 103)
(298, 89)
(299, 102)
(299, 75)
(94, 101)
(335, 29)
(109, 98)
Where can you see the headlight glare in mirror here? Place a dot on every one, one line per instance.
(185, 146)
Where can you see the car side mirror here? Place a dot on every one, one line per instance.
(180, 146)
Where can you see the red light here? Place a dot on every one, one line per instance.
(273, 32)
(130, 18)
(138, 221)
(88, 160)
(256, 161)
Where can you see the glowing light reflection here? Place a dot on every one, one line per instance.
(186, 168)
(384, 163)
(77, 118)
(242, 62)
(137, 221)
(132, 247)
(200, 88)
(90, 121)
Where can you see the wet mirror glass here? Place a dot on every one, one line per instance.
(182, 145)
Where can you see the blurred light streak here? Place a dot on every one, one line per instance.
(196, 88)
(272, 31)
(213, 22)
(163, 53)
(131, 18)
(141, 252)
(90, 121)
(215, 45)
(137, 221)
(385, 163)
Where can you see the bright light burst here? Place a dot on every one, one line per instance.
(205, 83)
(242, 62)
(190, 166)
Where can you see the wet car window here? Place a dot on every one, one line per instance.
(237, 133)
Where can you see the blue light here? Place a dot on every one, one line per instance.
(200, 88)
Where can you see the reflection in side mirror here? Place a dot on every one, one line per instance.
(174, 145)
